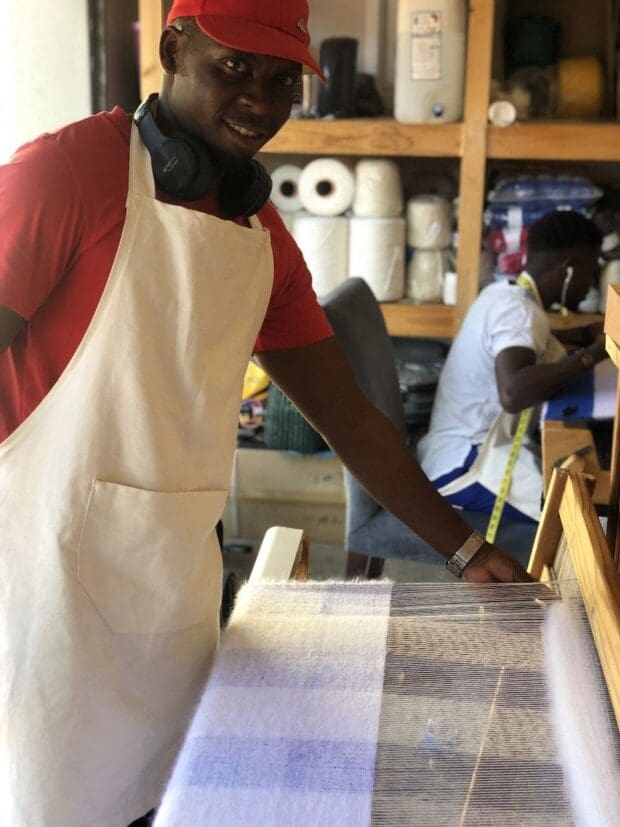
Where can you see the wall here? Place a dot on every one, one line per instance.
(372, 22)
(44, 66)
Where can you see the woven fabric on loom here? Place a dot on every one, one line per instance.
(374, 704)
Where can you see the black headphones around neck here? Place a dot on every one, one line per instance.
(183, 167)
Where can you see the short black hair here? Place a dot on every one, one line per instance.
(563, 230)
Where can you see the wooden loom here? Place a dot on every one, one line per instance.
(570, 544)
(494, 698)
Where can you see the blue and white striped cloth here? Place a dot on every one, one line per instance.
(592, 396)
(344, 705)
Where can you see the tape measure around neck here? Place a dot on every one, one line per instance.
(500, 500)
(522, 425)
(527, 282)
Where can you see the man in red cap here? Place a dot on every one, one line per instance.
(140, 267)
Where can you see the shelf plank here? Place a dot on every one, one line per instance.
(424, 320)
(555, 141)
(559, 322)
(369, 136)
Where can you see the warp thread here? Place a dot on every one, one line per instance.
(582, 725)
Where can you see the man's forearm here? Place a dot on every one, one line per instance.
(535, 384)
(378, 456)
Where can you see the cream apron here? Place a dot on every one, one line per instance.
(110, 571)
(488, 468)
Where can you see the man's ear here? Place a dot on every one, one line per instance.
(168, 51)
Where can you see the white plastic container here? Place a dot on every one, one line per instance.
(430, 60)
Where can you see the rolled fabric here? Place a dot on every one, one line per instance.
(425, 275)
(324, 242)
(378, 190)
(429, 222)
(377, 254)
(326, 187)
(285, 190)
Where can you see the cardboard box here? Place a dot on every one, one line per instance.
(278, 475)
(250, 519)
(277, 488)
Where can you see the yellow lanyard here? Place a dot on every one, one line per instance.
(522, 425)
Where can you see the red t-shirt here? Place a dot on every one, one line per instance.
(62, 209)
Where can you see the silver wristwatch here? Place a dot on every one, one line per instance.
(464, 555)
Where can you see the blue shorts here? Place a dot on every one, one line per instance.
(476, 497)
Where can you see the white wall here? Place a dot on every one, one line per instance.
(372, 22)
(44, 68)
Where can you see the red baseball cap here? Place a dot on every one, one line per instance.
(267, 27)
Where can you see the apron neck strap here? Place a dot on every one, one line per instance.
(141, 180)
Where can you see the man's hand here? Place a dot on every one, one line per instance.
(492, 565)
(592, 332)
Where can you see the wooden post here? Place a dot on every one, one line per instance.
(473, 161)
(612, 332)
(151, 19)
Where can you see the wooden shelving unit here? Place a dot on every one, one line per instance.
(473, 141)
(555, 141)
(368, 137)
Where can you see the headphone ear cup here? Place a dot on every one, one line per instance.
(244, 190)
(200, 171)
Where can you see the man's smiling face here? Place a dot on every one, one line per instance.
(234, 101)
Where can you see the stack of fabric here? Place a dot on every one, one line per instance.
(517, 202)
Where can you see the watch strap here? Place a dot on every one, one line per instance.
(465, 554)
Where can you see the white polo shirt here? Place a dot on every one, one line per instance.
(467, 401)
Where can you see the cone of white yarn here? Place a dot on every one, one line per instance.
(377, 254)
(285, 189)
(429, 222)
(378, 191)
(326, 187)
(425, 275)
(324, 242)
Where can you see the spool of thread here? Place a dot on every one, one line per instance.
(581, 87)
(378, 191)
(502, 113)
(429, 222)
(324, 242)
(425, 275)
(285, 190)
(326, 187)
(449, 287)
(377, 254)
